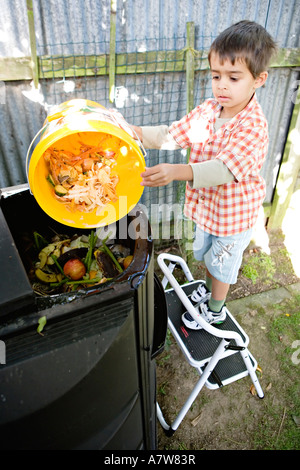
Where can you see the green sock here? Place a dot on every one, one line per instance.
(215, 305)
(208, 282)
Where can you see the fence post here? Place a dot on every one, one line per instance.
(190, 77)
(288, 171)
(112, 50)
(34, 58)
(190, 69)
(190, 65)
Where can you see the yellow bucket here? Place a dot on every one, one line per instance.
(73, 124)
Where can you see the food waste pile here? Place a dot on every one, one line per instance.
(63, 263)
(86, 180)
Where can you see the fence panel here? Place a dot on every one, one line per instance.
(73, 45)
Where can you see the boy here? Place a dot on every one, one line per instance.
(228, 137)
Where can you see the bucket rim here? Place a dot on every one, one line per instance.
(34, 174)
(49, 140)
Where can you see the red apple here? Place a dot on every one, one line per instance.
(75, 269)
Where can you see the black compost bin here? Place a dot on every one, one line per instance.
(89, 381)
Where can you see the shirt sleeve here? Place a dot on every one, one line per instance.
(210, 173)
(158, 137)
(194, 128)
(182, 130)
(245, 152)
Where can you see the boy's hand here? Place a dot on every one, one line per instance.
(165, 173)
(158, 175)
(138, 132)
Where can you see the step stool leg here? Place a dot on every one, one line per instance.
(161, 418)
(218, 354)
(252, 373)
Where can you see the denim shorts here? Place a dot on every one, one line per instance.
(222, 255)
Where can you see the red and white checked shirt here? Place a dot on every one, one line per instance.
(241, 144)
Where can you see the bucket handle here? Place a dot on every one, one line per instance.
(140, 143)
(28, 152)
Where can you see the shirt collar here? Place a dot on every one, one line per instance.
(232, 123)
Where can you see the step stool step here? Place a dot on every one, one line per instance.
(228, 370)
(200, 344)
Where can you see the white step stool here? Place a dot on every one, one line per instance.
(219, 353)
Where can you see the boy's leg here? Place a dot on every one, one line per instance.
(219, 293)
(222, 260)
(208, 280)
(202, 244)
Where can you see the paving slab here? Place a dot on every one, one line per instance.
(263, 299)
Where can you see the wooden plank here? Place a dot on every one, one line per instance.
(73, 66)
(150, 62)
(112, 50)
(34, 58)
(147, 62)
(190, 65)
(267, 209)
(287, 57)
(190, 71)
(17, 68)
(288, 171)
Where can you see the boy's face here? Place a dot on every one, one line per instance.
(233, 85)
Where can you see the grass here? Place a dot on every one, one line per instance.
(261, 266)
(280, 429)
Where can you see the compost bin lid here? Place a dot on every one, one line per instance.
(15, 289)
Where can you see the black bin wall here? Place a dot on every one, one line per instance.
(89, 382)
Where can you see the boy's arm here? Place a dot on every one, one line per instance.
(199, 175)
(156, 137)
(165, 173)
(210, 173)
(138, 131)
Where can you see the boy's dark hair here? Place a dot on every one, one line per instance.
(248, 41)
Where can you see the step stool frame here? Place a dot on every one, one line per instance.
(205, 367)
